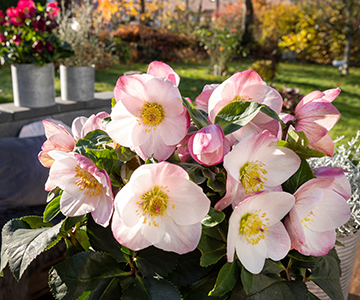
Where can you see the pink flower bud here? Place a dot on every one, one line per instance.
(208, 146)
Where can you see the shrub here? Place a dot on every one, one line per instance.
(265, 68)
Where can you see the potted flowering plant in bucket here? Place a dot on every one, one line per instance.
(162, 200)
(79, 26)
(28, 43)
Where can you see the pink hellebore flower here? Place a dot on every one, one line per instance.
(255, 164)
(209, 145)
(256, 231)
(202, 100)
(149, 116)
(85, 187)
(160, 206)
(26, 8)
(317, 212)
(341, 184)
(315, 116)
(2, 18)
(83, 125)
(58, 138)
(159, 69)
(245, 86)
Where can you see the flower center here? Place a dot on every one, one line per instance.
(241, 98)
(308, 219)
(152, 114)
(154, 203)
(87, 182)
(254, 226)
(252, 176)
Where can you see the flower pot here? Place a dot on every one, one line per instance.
(33, 85)
(347, 255)
(77, 83)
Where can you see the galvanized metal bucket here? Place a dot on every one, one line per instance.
(347, 255)
(77, 83)
(33, 86)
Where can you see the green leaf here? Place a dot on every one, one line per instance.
(218, 232)
(237, 114)
(124, 154)
(198, 118)
(24, 244)
(92, 272)
(213, 218)
(299, 143)
(303, 174)
(105, 159)
(153, 260)
(225, 280)
(212, 250)
(97, 137)
(272, 114)
(36, 222)
(195, 173)
(70, 222)
(212, 182)
(102, 239)
(113, 102)
(327, 274)
(247, 279)
(272, 267)
(188, 269)
(52, 209)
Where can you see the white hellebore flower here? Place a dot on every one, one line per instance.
(256, 231)
(160, 206)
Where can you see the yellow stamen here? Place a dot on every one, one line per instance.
(87, 182)
(241, 98)
(252, 176)
(308, 219)
(254, 226)
(154, 203)
(152, 114)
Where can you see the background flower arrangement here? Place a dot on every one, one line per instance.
(166, 200)
(26, 34)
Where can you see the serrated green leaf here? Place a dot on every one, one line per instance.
(198, 118)
(272, 267)
(36, 222)
(136, 290)
(218, 232)
(247, 279)
(102, 239)
(97, 137)
(105, 158)
(151, 261)
(303, 174)
(70, 222)
(236, 114)
(24, 244)
(188, 269)
(212, 250)
(52, 209)
(213, 218)
(195, 173)
(225, 280)
(327, 274)
(84, 272)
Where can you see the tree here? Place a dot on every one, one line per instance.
(343, 16)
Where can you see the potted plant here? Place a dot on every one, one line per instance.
(78, 27)
(160, 200)
(29, 44)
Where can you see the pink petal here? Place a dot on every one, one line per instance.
(331, 94)
(319, 243)
(159, 69)
(308, 98)
(325, 145)
(277, 242)
(235, 193)
(202, 100)
(77, 126)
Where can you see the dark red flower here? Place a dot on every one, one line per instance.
(2, 18)
(39, 24)
(2, 39)
(49, 46)
(16, 39)
(38, 46)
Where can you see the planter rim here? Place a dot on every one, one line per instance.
(65, 66)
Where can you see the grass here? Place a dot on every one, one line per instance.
(194, 76)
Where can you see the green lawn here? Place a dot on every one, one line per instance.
(194, 76)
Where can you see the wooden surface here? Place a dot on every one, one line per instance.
(354, 293)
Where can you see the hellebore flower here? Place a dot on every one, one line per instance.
(85, 187)
(149, 116)
(256, 163)
(317, 212)
(256, 231)
(202, 100)
(83, 125)
(160, 206)
(209, 145)
(245, 86)
(315, 116)
(58, 138)
(26, 8)
(2, 18)
(159, 69)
